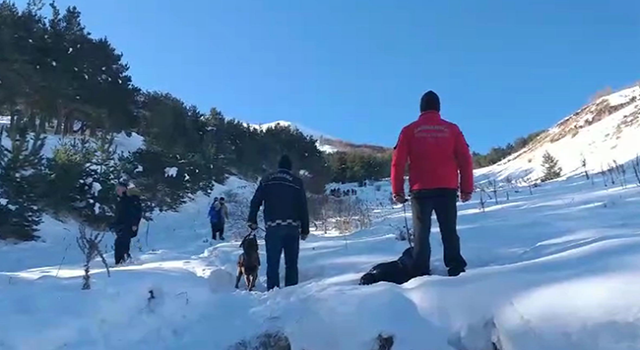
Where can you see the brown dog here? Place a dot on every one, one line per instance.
(248, 261)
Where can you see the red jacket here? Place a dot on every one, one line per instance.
(436, 151)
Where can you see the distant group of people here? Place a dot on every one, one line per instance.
(338, 193)
(440, 166)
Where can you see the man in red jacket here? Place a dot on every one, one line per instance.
(436, 152)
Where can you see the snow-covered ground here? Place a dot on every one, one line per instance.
(558, 269)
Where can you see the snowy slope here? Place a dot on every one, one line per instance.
(602, 132)
(320, 137)
(326, 143)
(556, 269)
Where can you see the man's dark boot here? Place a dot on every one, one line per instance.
(456, 271)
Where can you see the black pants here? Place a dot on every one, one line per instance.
(217, 229)
(278, 239)
(122, 246)
(443, 202)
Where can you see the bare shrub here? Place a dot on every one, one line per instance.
(618, 172)
(601, 93)
(583, 162)
(89, 244)
(605, 178)
(483, 202)
(530, 185)
(264, 341)
(383, 342)
(345, 214)
(402, 232)
(494, 185)
(509, 181)
(238, 206)
(635, 164)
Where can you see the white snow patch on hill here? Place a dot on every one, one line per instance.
(305, 130)
(123, 143)
(170, 172)
(569, 238)
(327, 148)
(602, 132)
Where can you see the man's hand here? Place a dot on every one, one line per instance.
(134, 228)
(252, 226)
(465, 197)
(304, 236)
(399, 198)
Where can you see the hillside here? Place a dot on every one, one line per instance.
(601, 134)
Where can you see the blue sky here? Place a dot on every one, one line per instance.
(356, 69)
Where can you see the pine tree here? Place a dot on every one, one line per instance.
(21, 169)
(67, 169)
(103, 172)
(551, 168)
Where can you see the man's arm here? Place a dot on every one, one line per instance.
(465, 163)
(256, 203)
(399, 163)
(226, 212)
(304, 211)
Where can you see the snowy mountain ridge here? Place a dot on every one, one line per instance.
(320, 137)
(326, 143)
(305, 130)
(602, 133)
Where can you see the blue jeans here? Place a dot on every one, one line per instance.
(279, 239)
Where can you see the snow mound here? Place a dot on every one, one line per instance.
(221, 281)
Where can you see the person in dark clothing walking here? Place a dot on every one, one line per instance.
(218, 215)
(127, 220)
(438, 155)
(286, 218)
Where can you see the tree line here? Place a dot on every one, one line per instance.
(56, 78)
(496, 154)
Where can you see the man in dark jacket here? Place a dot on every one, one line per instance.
(438, 155)
(286, 219)
(128, 216)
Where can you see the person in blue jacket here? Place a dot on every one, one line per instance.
(218, 215)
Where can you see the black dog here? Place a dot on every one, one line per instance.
(398, 271)
(248, 261)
